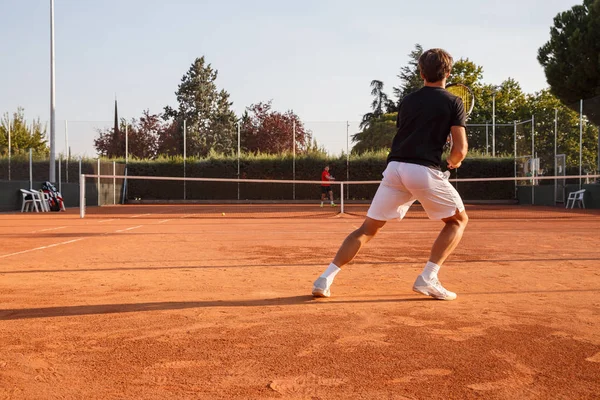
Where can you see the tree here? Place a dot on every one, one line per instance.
(571, 58)
(410, 76)
(381, 104)
(142, 135)
(266, 131)
(377, 135)
(206, 110)
(22, 137)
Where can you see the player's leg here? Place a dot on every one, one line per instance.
(449, 237)
(442, 202)
(322, 195)
(331, 197)
(390, 202)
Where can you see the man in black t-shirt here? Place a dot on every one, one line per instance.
(425, 118)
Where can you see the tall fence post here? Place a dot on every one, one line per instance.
(98, 182)
(30, 169)
(580, 141)
(68, 153)
(342, 197)
(126, 144)
(238, 157)
(494, 124)
(114, 183)
(347, 160)
(294, 159)
(534, 162)
(184, 155)
(60, 173)
(487, 141)
(9, 148)
(555, 152)
(515, 148)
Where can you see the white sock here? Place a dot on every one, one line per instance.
(430, 271)
(331, 201)
(330, 272)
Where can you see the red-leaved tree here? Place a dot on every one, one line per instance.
(266, 131)
(142, 135)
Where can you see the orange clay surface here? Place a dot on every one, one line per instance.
(181, 302)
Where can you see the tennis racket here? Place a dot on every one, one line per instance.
(468, 99)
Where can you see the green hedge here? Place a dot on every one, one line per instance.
(367, 167)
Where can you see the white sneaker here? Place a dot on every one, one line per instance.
(321, 288)
(432, 288)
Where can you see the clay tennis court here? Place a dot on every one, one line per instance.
(183, 302)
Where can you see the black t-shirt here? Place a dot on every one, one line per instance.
(423, 126)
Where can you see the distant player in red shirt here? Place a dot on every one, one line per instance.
(326, 186)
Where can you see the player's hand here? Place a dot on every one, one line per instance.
(451, 165)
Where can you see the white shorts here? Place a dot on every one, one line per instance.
(403, 183)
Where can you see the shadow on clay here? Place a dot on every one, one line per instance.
(67, 311)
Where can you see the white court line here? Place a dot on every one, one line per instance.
(41, 248)
(49, 229)
(106, 220)
(163, 221)
(140, 215)
(128, 229)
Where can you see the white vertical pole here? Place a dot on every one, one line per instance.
(30, 169)
(67, 150)
(342, 197)
(515, 145)
(580, 140)
(184, 155)
(98, 182)
(114, 183)
(294, 159)
(126, 144)
(59, 173)
(347, 161)
(494, 124)
(79, 165)
(9, 148)
(238, 157)
(487, 141)
(555, 152)
(52, 176)
(81, 194)
(533, 169)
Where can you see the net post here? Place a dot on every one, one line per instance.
(82, 196)
(114, 183)
(341, 197)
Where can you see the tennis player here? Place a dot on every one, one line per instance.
(326, 186)
(413, 173)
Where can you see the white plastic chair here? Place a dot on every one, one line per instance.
(29, 199)
(45, 200)
(576, 197)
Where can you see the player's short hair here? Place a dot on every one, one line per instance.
(435, 64)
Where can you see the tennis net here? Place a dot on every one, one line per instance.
(485, 198)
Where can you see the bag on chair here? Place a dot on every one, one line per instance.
(55, 198)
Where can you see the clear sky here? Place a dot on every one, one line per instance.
(316, 57)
